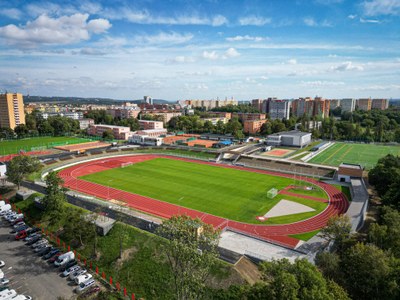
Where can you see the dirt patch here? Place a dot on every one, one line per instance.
(248, 270)
(125, 256)
(118, 202)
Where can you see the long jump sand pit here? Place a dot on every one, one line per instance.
(278, 152)
(286, 207)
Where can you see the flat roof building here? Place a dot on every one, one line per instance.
(292, 138)
(119, 132)
(348, 171)
(147, 124)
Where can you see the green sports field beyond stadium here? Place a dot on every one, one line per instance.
(366, 155)
(31, 144)
(228, 193)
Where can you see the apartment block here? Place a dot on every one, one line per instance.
(257, 103)
(279, 109)
(210, 104)
(248, 116)
(11, 110)
(146, 125)
(334, 103)
(72, 115)
(124, 113)
(215, 120)
(348, 104)
(166, 116)
(364, 104)
(119, 132)
(321, 107)
(381, 104)
(85, 123)
(253, 126)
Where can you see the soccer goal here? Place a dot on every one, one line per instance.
(272, 193)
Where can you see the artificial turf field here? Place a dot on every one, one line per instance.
(228, 193)
(366, 155)
(29, 144)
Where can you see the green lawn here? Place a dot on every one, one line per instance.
(365, 154)
(229, 193)
(305, 236)
(29, 144)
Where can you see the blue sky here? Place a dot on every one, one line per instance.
(201, 49)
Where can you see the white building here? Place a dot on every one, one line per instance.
(292, 138)
(71, 115)
(85, 123)
(348, 104)
(145, 140)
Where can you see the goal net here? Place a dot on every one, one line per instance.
(272, 193)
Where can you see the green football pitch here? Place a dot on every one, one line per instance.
(366, 155)
(36, 143)
(228, 193)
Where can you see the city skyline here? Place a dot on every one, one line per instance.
(189, 49)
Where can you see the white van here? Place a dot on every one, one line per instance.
(7, 294)
(83, 278)
(5, 208)
(64, 258)
(2, 203)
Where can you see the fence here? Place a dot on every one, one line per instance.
(90, 264)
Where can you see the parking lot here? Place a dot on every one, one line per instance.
(28, 273)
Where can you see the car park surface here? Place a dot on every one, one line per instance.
(28, 273)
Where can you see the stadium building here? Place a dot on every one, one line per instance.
(292, 138)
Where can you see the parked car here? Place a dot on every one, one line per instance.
(91, 291)
(7, 294)
(64, 259)
(84, 285)
(53, 252)
(2, 263)
(83, 278)
(71, 270)
(45, 250)
(4, 281)
(20, 228)
(33, 230)
(22, 297)
(41, 247)
(19, 221)
(32, 240)
(77, 273)
(38, 243)
(21, 235)
(68, 264)
(54, 258)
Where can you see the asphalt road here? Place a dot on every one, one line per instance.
(28, 273)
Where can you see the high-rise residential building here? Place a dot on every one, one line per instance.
(381, 104)
(321, 107)
(364, 104)
(210, 104)
(148, 99)
(279, 109)
(348, 104)
(11, 110)
(253, 126)
(303, 106)
(334, 103)
(257, 103)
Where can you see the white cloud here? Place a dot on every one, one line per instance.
(352, 17)
(90, 51)
(145, 17)
(212, 55)
(181, 59)
(373, 21)
(54, 31)
(310, 22)
(381, 7)
(322, 83)
(292, 61)
(254, 20)
(11, 13)
(264, 77)
(164, 38)
(240, 38)
(231, 52)
(347, 66)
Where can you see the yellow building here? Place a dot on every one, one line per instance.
(11, 110)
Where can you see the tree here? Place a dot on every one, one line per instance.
(108, 135)
(384, 174)
(191, 250)
(20, 167)
(337, 230)
(54, 200)
(6, 133)
(21, 130)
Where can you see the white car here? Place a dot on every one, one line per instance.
(84, 285)
(1, 274)
(2, 263)
(77, 273)
(71, 270)
(83, 278)
(4, 281)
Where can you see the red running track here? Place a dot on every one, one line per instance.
(278, 234)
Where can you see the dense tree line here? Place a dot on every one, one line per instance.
(368, 126)
(101, 117)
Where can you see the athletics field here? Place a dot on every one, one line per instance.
(37, 143)
(366, 155)
(229, 193)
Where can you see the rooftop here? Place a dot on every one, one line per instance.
(292, 133)
(350, 166)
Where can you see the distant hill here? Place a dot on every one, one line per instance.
(80, 100)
